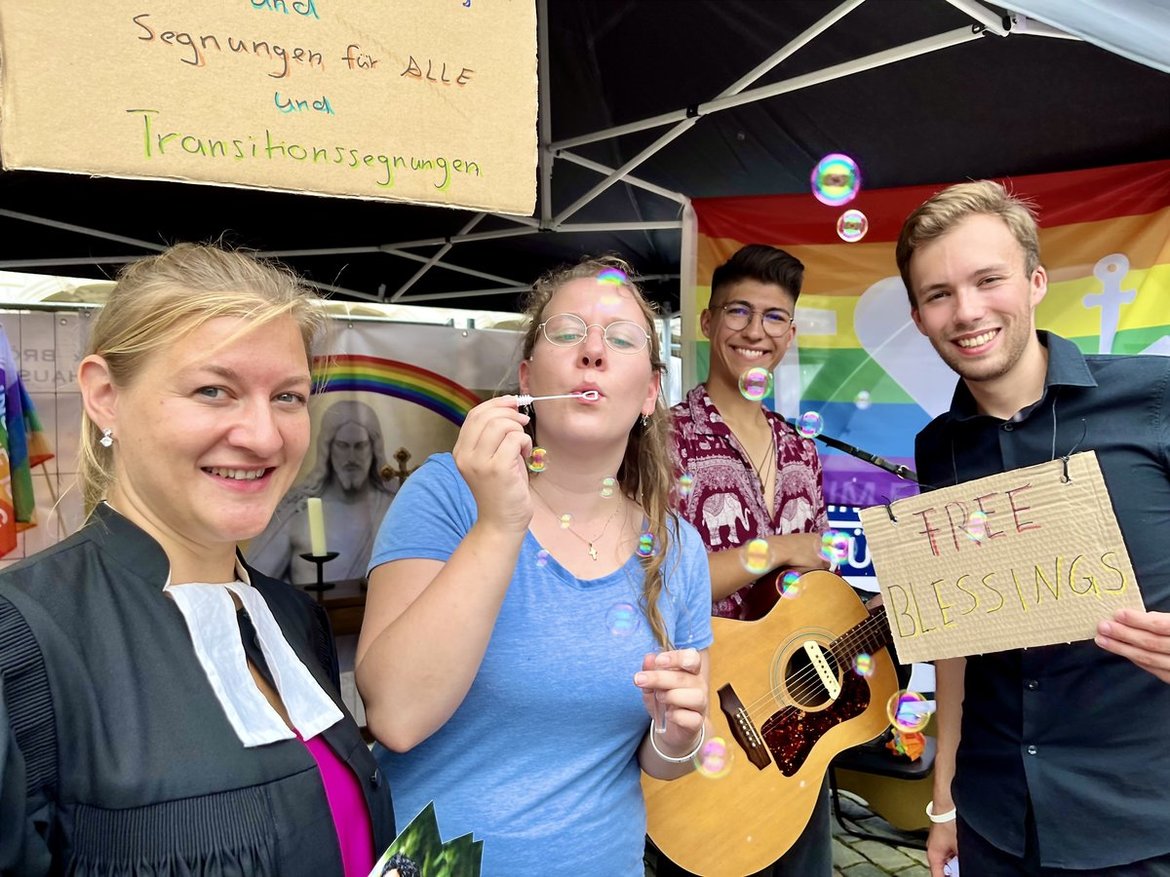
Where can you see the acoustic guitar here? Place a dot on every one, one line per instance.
(785, 697)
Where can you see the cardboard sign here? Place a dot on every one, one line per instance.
(1023, 558)
(408, 100)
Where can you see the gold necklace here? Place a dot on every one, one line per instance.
(769, 457)
(590, 542)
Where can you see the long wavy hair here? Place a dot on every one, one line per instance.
(159, 299)
(646, 474)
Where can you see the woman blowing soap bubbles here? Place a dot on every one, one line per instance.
(533, 603)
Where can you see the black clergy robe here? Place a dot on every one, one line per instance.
(115, 755)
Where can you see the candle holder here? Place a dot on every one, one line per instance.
(320, 560)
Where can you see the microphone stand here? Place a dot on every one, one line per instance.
(894, 468)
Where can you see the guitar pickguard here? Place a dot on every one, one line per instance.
(790, 733)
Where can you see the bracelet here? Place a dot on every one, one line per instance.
(685, 758)
(939, 818)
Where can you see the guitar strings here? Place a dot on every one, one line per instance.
(801, 687)
(804, 682)
(854, 638)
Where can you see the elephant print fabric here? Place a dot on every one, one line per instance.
(725, 500)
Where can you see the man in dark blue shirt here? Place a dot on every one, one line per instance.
(1056, 758)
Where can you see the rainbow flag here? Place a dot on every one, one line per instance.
(23, 444)
(7, 512)
(860, 362)
(390, 377)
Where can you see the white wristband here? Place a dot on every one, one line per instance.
(940, 818)
(685, 758)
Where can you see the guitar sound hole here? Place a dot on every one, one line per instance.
(803, 682)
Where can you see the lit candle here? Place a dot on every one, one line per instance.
(316, 526)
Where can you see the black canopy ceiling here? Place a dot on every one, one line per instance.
(992, 106)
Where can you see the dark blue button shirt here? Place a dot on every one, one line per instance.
(1083, 733)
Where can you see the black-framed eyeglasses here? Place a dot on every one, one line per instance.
(569, 330)
(738, 316)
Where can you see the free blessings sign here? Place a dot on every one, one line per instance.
(1029, 557)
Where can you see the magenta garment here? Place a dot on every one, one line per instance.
(726, 503)
(355, 837)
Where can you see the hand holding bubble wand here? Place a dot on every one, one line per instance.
(659, 712)
(683, 624)
(659, 715)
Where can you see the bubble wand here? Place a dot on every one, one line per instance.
(591, 395)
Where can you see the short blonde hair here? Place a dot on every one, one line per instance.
(945, 209)
(161, 298)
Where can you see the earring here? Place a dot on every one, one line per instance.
(645, 420)
(107, 438)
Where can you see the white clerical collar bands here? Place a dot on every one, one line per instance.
(210, 614)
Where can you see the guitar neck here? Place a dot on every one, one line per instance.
(870, 636)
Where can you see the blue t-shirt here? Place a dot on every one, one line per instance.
(540, 759)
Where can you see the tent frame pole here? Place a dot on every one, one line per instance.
(573, 158)
(780, 55)
(81, 229)
(544, 158)
(692, 115)
(991, 22)
(433, 260)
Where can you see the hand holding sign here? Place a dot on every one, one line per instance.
(1143, 637)
(1024, 558)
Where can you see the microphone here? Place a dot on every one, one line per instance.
(894, 468)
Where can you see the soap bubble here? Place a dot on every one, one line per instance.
(647, 545)
(542, 557)
(608, 487)
(810, 424)
(613, 277)
(756, 556)
(713, 760)
(976, 528)
(622, 619)
(566, 521)
(834, 546)
(908, 711)
(686, 485)
(790, 585)
(755, 383)
(852, 226)
(862, 400)
(836, 180)
(863, 665)
(537, 460)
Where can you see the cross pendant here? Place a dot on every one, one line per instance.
(592, 551)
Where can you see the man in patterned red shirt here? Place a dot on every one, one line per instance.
(749, 474)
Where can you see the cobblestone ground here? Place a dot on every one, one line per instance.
(855, 857)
